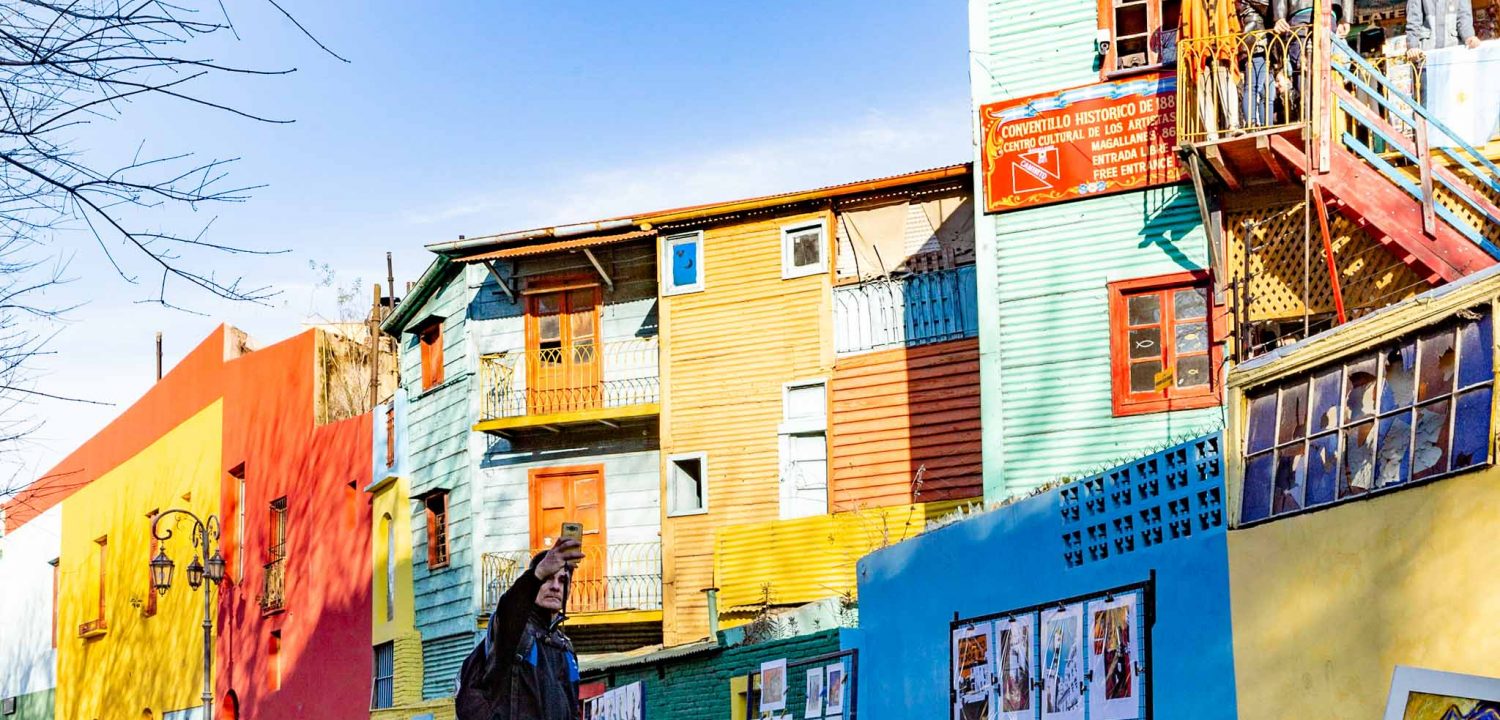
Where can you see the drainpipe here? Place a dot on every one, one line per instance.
(713, 612)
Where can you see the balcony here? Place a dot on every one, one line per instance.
(273, 587)
(581, 382)
(915, 309)
(614, 583)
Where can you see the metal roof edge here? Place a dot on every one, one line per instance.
(616, 661)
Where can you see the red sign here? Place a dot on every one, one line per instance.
(1092, 140)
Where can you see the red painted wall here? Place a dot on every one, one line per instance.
(189, 387)
(325, 658)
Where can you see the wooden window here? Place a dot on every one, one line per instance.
(390, 566)
(564, 368)
(437, 529)
(1416, 409)
(277, 548)
(682, 264)
(103, 563)
(382, 691)
(430, 336)
(804, 249)
(1142, 35)
(148, 607)
(1164, 350)
(238, 476)
(390, 435)
(273, 658)
(56, 585)
(804, 449)
(687, 490)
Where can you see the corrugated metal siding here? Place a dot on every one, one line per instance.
(1054, 330)
(441, 659)
(437, 436)
(1035, 47)
(898, 410)
(809, 558)
(727, 352)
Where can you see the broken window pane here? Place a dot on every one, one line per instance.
(1145, 309)
(1393, 459)
(1325, 400)
(1437, 362)
(1395, 390)
(1471, 429)
(1143, 376)
(1145, 343)
(1255, 504)
(1322, 469)
(1293, 421)
(1359, 460)
(1291, 479)
(1190, 304)
(1260, 432)
(1192, 338)
(1431, 454)
(1193, 371)
(1359, 391)
(1477, 351)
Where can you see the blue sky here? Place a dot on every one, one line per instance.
(480, 117)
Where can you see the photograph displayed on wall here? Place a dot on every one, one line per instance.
(773, 685)
(1062, 663)
(1017, 696)
(1115, 688)
(814, 692)
(626, 702)
(973, 671)
(835, 682)
(1418, 694)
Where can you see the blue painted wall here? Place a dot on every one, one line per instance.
(379, 468)
(1161, 514)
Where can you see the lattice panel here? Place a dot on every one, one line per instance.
(1465, 212)
(1166, 496)
(1370, 275)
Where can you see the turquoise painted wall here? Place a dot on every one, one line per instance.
(1044, 320)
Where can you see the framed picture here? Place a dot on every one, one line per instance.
(1062, 663)
(835, 682)
(1114, 659)
(1419, 694)
(773, 686)
(974, 671)
(814, 693)
(1016, 637)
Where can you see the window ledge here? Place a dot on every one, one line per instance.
(1150, 407)
(440, 386)
(93, 629)
(1110, 75)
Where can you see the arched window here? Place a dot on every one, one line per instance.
(231, 707)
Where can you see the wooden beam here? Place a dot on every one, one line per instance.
(1216, 159)
(1424, 162)
(1263, 146)
(504, 284)
(608, 282)
(1211, 225)
(1333, 268)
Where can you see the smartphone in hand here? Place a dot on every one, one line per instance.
(572, 531)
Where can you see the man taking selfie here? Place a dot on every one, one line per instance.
(525, 668)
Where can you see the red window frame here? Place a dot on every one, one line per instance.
(430, 335)
(148, 608)
(1123, 401)
(436, 505)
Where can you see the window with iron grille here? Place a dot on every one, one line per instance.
(437, 529)
(1412, 410)
(382, 692)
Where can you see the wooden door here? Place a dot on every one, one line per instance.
(573, 494)
(563, 342)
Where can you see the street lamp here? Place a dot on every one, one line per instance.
(205, 536)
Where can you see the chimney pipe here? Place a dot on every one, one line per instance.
(158, 355)
(713, 612)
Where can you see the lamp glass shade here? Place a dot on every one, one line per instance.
(195, 573)
(161, 572)
(215, 569)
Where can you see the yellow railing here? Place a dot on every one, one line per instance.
(1236, 84)
(626, 576)
(569, 378)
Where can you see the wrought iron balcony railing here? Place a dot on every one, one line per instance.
(273, 587)
(916, 309)
(569, 378)
(626, 576)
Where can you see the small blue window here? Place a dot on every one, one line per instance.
(684, 263)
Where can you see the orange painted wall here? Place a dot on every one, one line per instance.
(895, 411)
(188, 388)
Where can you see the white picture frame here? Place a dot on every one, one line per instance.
(773, 685)
(1408, 680)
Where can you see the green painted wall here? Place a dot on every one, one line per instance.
(698, 687)
(34, 706)
(1044, 320)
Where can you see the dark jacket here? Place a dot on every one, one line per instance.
(1253, 14)
(1285, 9)
(525, 668)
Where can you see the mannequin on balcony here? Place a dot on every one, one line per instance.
(525, 668)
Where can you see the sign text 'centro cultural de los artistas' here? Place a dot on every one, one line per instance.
(1092, 140)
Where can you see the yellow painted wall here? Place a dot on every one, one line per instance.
(1328, 603)
(727, 352)
(394, 500)
(141, 662)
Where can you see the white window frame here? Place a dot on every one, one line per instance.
(790, 271)
(702, 458)
(791, 426)
(669, 242)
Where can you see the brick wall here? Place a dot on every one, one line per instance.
(408, 685)
(697, 688)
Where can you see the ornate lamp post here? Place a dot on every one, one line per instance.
(206, 539)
